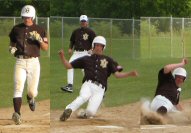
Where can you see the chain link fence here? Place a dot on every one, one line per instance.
(149, 37)
(122, 35)
(165, 37)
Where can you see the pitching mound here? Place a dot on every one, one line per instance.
(32, 122)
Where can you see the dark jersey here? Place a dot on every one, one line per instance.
(167, 87)
(81, 39)
(96, 67)
(20, 35)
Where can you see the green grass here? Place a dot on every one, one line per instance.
(120, 91)
(7, 63)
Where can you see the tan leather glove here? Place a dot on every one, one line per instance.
(36, 36)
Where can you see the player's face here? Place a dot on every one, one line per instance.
(179, 80)
(27, 21)
(84, 23)
(98, 48)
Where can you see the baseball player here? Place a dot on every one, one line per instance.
(97, 68)
(80, 41)
(170, 79)
(26, 40)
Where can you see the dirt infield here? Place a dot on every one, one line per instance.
(123, 119)
(32, 122)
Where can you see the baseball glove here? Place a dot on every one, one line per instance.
(36, 36)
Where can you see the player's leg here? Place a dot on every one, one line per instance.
(94, 102)
(161, 105)
(19, 81)
(33, 75)
(85, 94)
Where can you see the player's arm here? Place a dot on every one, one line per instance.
(67, 65)
(12, 48)
(44, 45)
(170, 67)
(72, 42)
(133, 73)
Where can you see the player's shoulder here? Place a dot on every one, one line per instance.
(89, 29)
(37, 26)
(107, 57)
(19, 25)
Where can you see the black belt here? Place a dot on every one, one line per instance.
(80, 50)
(23, 56)
(97, 83)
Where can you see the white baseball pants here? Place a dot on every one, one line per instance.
(159, 101)
(89, 92)
(26, 69)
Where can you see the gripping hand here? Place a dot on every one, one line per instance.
(12, 50)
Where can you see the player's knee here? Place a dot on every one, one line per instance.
(90, 113)
(32, 93)
(162, 110)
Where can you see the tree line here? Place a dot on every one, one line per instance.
(100, 8)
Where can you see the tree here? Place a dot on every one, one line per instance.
(13, 7)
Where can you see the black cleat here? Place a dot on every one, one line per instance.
(66, 114)
(67, 88)
(31, 102)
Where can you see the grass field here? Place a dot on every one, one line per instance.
(120, 91)
(7, 63)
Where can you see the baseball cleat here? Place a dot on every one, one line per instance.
(31, 102)
(66, 114)
(67, 88)
(16, 118)
(82, 114)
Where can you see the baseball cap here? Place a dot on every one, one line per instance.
(83, 18)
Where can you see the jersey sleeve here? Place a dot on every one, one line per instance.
(12, 36)
(72, 40)
(79, 63)
(113, 65)
(162, 77)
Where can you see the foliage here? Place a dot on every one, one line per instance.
(100, 8)
(125, 9)
(13, 7)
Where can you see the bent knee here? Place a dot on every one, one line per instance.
(162, 110)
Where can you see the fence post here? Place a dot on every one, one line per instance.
(36, 20)
(183, 47)
(133, 33)
(111, 24)
(62, 32)
(14, 20)
(149, 46)
(171, 36)
(48, 31)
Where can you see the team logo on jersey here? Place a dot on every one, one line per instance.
(85, 36)
(104, 63)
